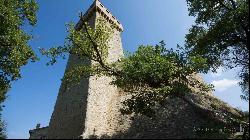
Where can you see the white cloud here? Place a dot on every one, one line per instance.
(218, 73)
(222, 85)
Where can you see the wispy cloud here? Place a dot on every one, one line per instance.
(222, 85)
(218, 73)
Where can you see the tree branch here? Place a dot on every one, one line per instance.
(236, 17)
(99, 57)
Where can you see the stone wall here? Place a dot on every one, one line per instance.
(39, 133)
(90, 107)
(102, 106)
(68, 118)
(177, 119)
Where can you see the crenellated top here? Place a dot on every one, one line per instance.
(97, 6)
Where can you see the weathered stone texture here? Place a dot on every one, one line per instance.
(102, 111)
(177, 119)
(68, 118)
(39, 133)
(90, 107)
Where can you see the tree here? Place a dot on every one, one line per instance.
(15, 51)
(150, 75)
(221, 35)
(2, 129)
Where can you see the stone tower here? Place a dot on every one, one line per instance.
(90, 108)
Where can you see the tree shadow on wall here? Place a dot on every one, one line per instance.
(176, 120)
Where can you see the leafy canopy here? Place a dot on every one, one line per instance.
(15, 51)
(150, 75)
(154, 73)
(221, 35)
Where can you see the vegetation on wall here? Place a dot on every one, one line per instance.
(152, 73)
(149, 75)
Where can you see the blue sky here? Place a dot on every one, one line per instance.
(31, 99)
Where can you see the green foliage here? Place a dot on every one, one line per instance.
(15, 51)
(2, 129)
(85, 43)
(149, 75)
(221, 35)
(90, 45)
(153, 73)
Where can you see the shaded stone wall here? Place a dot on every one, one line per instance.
(177, 119)
(39, 133)
(103, 101)
(68, 118)
(90, 107)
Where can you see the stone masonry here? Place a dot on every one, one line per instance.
(39, 133)
(91, 109)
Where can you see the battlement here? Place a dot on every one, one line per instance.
(39, 133)
(97, 6)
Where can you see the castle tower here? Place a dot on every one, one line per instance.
(91, 107)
